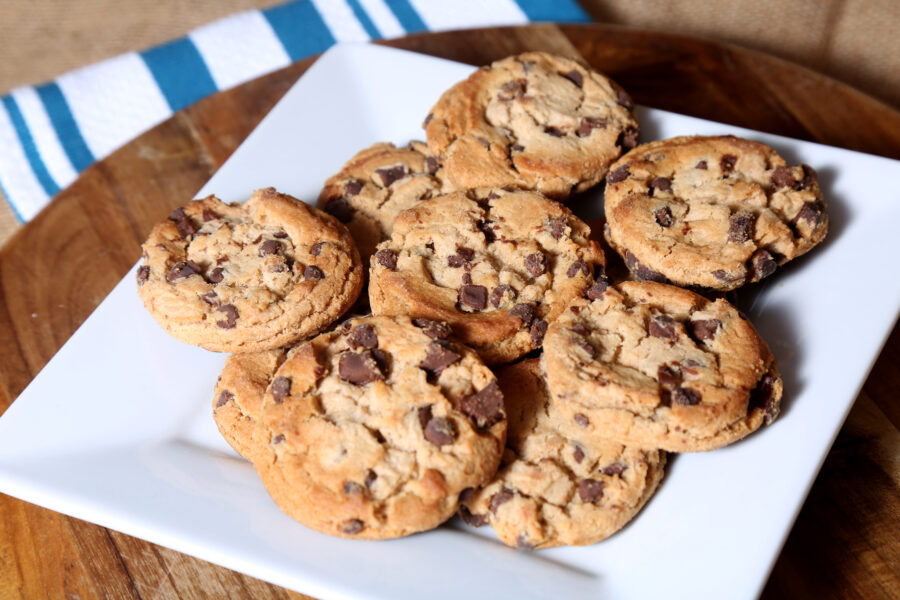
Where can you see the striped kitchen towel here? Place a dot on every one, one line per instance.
(49, 133)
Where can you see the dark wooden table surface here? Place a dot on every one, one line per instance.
(62, 264)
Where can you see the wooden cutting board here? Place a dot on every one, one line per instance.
(61, 265)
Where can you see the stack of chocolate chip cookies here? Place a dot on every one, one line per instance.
(503, 374)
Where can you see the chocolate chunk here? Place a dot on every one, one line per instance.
(536, 264)
(628, 139)
(525, 312)
(178, 215)
(642, 271)
(660, 183)
(763, 397)
(231, 315)
(281, 235)
(484, 407)
(662, 326)
(522, 543)
(351, 488)
(588, 124)
(762, 264)
(727, 163)
(353, 187)
(224, 397)
(427, 120)
(387, 259)
(217, 275)
(499, 292)
(557, 227)
(143, 274)
(487, 229)
(783, 177)
(424, 415)
(436, 330)
(579, 329)
(371, 476)
(615, 468)
(359, 368)
(440, 431)
(269, 247)
(811, 212)
(554, 131)
(313, 272)
(590, 490)
(575, 267)
(316, 249)
(705, 329)
(351, 526)
(281, 388)
(466, 278)
(471, 519)
(810, 177)
(538, 330)
(363, 336)
(340, 209)
(685, 397)
(740, 227)
(620, 174)
(581, 420)
(663, 216)
(438, 357)
(181, 270)
(668, 376)
(462, 256)
(185, 227)
(512, 90)
(517, 148)
(701, 165)
(722, 275)
(624, 98)
(209, 297)
(432, 165)
(473, 296)
(578, 454)
(389, 176)
(575, 77)
(504, 495)
(586, 346)
(595, 290)
(209, 215)
(277, 439)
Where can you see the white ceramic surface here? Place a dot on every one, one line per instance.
(117, 428)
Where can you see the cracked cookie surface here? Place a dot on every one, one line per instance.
(533, 121)
(656, 366)
(498, 269)
(713, 212)
(377, 184)
(554, 487)
(375, 428)
(248, 277)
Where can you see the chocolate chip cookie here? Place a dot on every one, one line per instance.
(556, 488)
(375, 428)
(248, 277)
(711, 212)
(656, 366)
(377, 184)
(533, 121)
(497, 268)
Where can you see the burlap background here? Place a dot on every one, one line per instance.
(855, 41)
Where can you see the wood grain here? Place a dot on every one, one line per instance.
(60, 266)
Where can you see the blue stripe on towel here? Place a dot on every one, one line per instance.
(31, 152)
(300, 28)
(180, 72)
(363, 17)
(407, 15)
(562, 11)
(66, 127)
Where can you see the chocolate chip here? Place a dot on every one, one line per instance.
(590, 490)
(517, 148)
(624, 98)
(668, 376)
(351, 488)
(538, 330)
(512, 90)
(462, 256)
(498, 293)
(727, 163)
(576, 267)
(628, 139)
(353, 187)
(209, 297)
(504, 495)
(586, 346)
(185, 227)
(313, 272)
(269, 247)
(359, 368)
(389, 176)
(281, 388)
(615, 468)
(471, 519)
(178, 214)
(466, 278)
(231, 315)
(217, 275)
(182, 270)
(762, 264)
(810, 177)
(525, 312)
(427, 120)
(486, 227)
(424, 415)
(554, 132)
(581, 420)
(371, 476)
(277, 439)
(316, 248)
(143, 274)
(387, 259)
(222, 260)
(685, 397)
(588, 124)
(340, 209)
(662, 326)
(224, 397)
(740, 227)
(783, 177)
(440, 431)
(557, 227)
(663, 216)
(432, 165)
(642, 271)
(811, 212)
(363, 336)
(763, 397)
(660, 183)
(575, 77)
(436, 330)
(701, 165)
(705, 329)
(209, 215)
(620, 174)
(473, 296)
(438, 357)
(484, 407)
(351, 526)
(595, 290)
(536, 264)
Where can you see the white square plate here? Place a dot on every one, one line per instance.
(117, 428)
